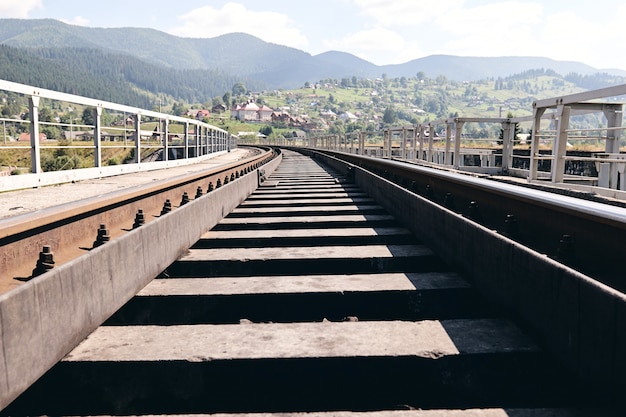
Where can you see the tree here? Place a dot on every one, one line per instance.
(178, 109)
(11, 108)
(226, 97)
(45, 115)
(266, 130)
(239, 89)
(88, 116)
(389, 116)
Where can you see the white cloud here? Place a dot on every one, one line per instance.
(378, 45)
(503, 28)
(77, 20)
(18, 8)
(600, 52)
(406, 12)
(208, 22)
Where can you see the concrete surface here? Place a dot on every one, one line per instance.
(472, 412)
(353, 232)
(320, 252)
(304, 284)
(199, 343)
(13, 203)
(309, 219)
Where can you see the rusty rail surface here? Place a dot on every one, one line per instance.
(577, 229)
(72, 229)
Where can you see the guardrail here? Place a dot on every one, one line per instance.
(51, 139)
(541, 156)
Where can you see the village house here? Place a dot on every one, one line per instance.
(202, 114)
(251, 112)
(25, 137)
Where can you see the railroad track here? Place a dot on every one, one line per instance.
(309, 297)
(72, 229)
(578, 229)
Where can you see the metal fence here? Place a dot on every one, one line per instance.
(50, 137)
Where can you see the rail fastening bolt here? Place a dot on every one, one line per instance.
(102, 237)
(510, 225)
(167, 207)
(185, 199)
(565, 251)
(45, 261)
(474, 211)
(448, 201)
(140, 219)
(430, 193)
(219, 183)
(199, 192)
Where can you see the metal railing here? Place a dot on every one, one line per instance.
(542, 157)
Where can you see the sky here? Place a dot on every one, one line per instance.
(380, 31)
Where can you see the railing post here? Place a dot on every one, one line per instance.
(458, 131)
(534, 143)
(560, 144)
(186, 136)
(138, 138)
(361, 143)
(403, 146)
(431, 135)
(35, 148)
(447, 155)
(614, 117)
(508, 138)
(414, 144)
(165, 133)
(422, 128)
(97, 137)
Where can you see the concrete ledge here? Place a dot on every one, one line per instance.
(44, 319)
(580, 321)
(17, 182)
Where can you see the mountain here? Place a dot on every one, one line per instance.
(242, 56)
(475, 68)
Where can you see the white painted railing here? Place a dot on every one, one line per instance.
(172, 140)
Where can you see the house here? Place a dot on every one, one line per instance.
(265, 113)
(349, 117)
(25, 137)
(328, 114)
(202, 114)
(219, 108)
(251, 112)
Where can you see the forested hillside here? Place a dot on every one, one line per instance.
(22, 67)
(111, 77)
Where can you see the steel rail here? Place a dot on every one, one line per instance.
(71, 229)
(574, 228)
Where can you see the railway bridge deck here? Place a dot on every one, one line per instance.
(308, 297)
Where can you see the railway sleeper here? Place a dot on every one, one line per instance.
(368, 323)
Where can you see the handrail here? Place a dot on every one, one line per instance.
(197, 140)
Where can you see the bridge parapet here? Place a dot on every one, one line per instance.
(541, 155)
(121, 138)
